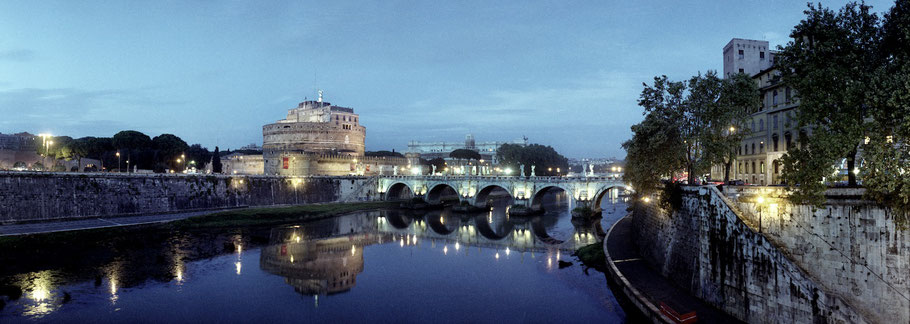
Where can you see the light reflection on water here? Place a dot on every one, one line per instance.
(329, 258)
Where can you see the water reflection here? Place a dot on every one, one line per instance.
(324, 257)
(315, 259)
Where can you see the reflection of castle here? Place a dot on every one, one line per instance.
(315, 267)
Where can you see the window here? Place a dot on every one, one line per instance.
(753, 148)
(742, 71)
(741, 168)
(761, 55)
(788, 140)
(762, 166)
(775, 121)
(761, 124)
(787, 95)
(761, 147)
(774, 98)
(741, 55)
(753, 166)
(774, 141)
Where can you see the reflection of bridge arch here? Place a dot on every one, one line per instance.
(398, 220)
(537, 198)
(484, 193)
(598, 198)
(439, 191)
(486, 229)
(398, 190)
(440, 224)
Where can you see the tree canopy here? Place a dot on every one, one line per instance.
(545, 158)
(383, 154)
(851, 73)
(688, 126)
(465, 154)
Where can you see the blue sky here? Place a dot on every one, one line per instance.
(565, 74)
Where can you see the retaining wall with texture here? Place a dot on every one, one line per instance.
(30, 196)
(706, 248)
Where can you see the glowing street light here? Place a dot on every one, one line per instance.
(118, 161)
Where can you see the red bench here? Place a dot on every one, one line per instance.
(686, 318)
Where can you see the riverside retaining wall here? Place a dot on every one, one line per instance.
(34, 196)
(852, 247)
(705, 247)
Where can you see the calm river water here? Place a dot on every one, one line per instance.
(377, 266)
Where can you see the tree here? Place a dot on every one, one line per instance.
(830, 62)
(688, 112)
(548, 162)
(216, 161)
(168, 148)
(655, 151)
(384, 154)
(199, 154)
(440, 164)
(738, 99)
(886, 169)
(79, 148)
(135, 147)
(465, 154)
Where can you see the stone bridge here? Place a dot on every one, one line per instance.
(476, 190)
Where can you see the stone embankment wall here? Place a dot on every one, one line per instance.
(706, 248)
(852, 247)
(44, 196)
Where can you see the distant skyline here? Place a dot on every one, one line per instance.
(565, 75)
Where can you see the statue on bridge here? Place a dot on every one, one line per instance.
(533, 172)
(434, 169)
(592, 169)
(522, 173)
(395, 170)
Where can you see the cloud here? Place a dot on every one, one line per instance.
(572, 116)
(72, 111)
(17, 55)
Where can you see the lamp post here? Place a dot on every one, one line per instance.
(118, 162)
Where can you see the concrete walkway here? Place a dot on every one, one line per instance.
(101, 222)
(646, 287)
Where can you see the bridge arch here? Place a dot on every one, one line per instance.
(398, 191)
(603, 192)
(537, 198)
(440, 191)
(483, 195)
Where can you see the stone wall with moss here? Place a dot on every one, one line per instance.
(26, 196)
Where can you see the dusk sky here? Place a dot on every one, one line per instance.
(565, 74)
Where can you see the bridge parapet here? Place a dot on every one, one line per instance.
(526, 191)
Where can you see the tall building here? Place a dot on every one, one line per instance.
(487, 150)
(773, 128)
(747, 56)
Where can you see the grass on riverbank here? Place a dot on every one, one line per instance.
(276, 215)
(227, 219)
(593, 256)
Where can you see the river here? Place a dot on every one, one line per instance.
(377, 266)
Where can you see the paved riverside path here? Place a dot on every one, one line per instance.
(650, 283)
(100, 222)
